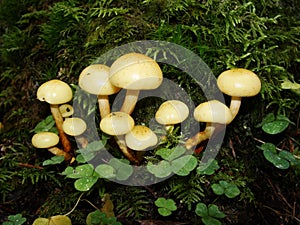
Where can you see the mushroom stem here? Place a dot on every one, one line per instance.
(59, 121)
(130, 101)
(235, 106)
(57, 151)
(120, 139)
(104, 107)
(200, 136)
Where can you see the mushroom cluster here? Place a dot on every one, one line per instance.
(58, 93)
(135, 72)
(236, 83)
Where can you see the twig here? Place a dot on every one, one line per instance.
(30, 166)
(74, 205)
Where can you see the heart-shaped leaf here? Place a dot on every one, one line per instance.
(161, 169)
(85, 183)
(184, 165)
(105, 171)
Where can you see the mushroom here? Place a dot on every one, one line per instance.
(94, 79)
(214, 113)
(66, 110)
(118, 124)
(140, 138)
(49, 140)
(75, 127)
(56, 92)
(134, 72)
(238, 83)
(171, 112)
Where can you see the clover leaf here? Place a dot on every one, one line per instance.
(280, 160)
(165, 206)
(84, 173)
(208, 168)
(184, 165)
(15, 220)
(161, 169)
(229, 189)
(272, 124)
(122, 168)
(210, 214)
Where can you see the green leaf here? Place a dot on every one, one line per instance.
(214, 211)
(232, 191)
(166, 206)
(170, 154)
(210, 221)
(85, 170)
(268, 147)
(160, 170)
(201, 210)
(85, 183)
(208, 168)
(164, 211)
(105, 171)
(218, 189)
(184, 165)
(275, 127)
(289, 156)
(45, 125)
(276, 160)
(122, 168)
(54, 160)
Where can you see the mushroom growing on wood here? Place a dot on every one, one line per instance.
(56, 92)
(49, 140)
(118, 124)
(213, 113)
(238, 83)
(134, 72)
(94, 79)
(171, 112)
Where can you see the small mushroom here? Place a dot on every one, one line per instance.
(75, 127)
(134, 72)
(94, 79)
(171, 112)
(238, 83)
(49, 140)
(56, 92)
(140, 138)
(118, 124)
(66, 110)
(213, 113)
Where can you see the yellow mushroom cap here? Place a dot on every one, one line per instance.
(55, 92)
(239, 82)
(172, 112)
(94, 79)
(140, 138)
(66, 110)
(74, 126)
(135, 71)
(117, 123)
(213, 111)
(44, 140)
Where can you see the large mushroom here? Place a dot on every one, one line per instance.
(238, 83)
(134, 72)
(56, 92)
(94, 79)
(171, 112)
(49, 140)
(118, 124)
(213, 113)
